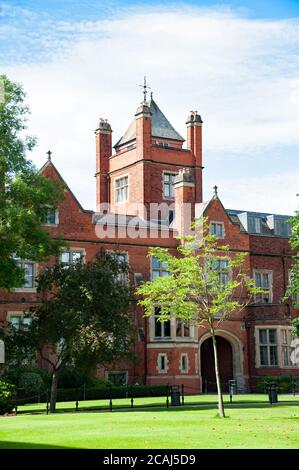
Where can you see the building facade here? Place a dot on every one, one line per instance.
(148, 189)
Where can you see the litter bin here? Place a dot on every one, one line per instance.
(272, 393)
(175, 395)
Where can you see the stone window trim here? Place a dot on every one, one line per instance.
(127, 260)
(12, 314)
(35, 273)
(162, 357)
(184, 358)
(279, 343)
(72, 249)
(117, 178)
(56, 218)
(270, 274)
(218, 222)
(161, 270)
(172, 173)
(172, 338)
(125, 372)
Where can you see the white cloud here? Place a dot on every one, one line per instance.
(241, 75)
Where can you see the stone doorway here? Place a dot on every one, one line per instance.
(225, 357)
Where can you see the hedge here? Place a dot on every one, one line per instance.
(284, 383)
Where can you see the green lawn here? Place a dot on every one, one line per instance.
(252, 426)
(151, 401)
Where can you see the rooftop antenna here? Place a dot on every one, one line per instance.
(145, 87)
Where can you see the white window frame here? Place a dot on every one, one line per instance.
(182, 336)
(122, 276)
(56, 218)
(34, 275)
(162, 270)
(216, 222)
(71, 250)
(125, 186)
(171, 173)
(280, 345)
(20, 315)
(270, 274)
(163, 337)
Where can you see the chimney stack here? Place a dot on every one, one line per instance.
(103, 152)
(194, 144)
(184, 186)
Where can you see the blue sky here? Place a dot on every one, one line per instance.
(236, 62)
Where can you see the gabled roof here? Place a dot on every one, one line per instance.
(161, 127)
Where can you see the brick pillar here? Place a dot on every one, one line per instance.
(103, 152)
(184, 201)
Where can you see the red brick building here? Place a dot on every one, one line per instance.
(148, 188)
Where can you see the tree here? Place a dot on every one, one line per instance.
(84, 317)
(207, 283)
(24, 193)
(293, 286)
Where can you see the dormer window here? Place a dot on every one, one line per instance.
(254, 224)
(282, 228)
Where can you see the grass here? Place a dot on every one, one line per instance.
(150, 401)
(252, 426)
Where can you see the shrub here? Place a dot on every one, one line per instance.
(13, 374)
(31, 384)
(284, 383)
(7, 396)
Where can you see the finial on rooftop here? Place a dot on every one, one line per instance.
(216, 191)
(49, 153)
(145, 87)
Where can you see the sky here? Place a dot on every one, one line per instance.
(236, 63)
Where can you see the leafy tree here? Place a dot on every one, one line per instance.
(24, 193)
(84, 318)
(293, 286)
(196, 290)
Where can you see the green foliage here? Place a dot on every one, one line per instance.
(7, 396)
(194, 290)
(70, 377)
(295, 328)
(284, 383)
(85, 318)
(23, 192)
(31, 384)
(13, 374)
(293, 286)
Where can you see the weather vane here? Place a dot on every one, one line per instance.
(145, 87)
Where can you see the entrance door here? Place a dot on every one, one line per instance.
(225, 358)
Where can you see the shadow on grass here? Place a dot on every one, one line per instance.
(161, 408)
(28, 445)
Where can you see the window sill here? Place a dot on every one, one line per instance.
(25, 289)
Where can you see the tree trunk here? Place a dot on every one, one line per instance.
(220, 397)
(53, 392)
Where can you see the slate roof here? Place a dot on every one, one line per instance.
(161, 127)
